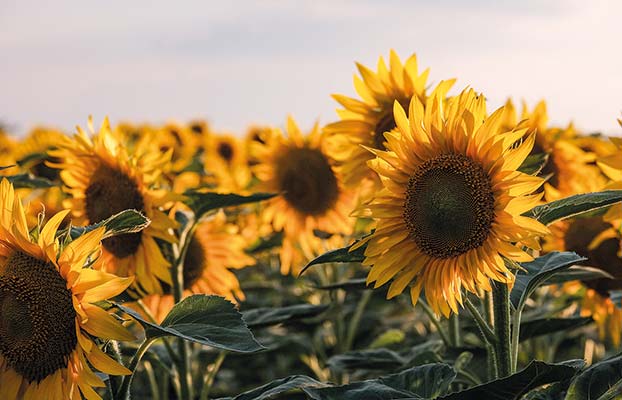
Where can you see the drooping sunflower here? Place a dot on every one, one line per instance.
(313, 199)
(214, 250)
(363, 122)
(49, 324)
(103, 178)
(450, 210)
(226, 162)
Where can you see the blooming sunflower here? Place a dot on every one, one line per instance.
(363, 122)
(313, 197)
(451, 206)
(103, 179)
(7, 146)
(49, 326)
(225, 160)
(213, 251)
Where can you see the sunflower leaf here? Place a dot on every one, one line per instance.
(262, 317)
(595, 382)
(574, 206)
(349, 285)
(342, 255)
(513, 387)
(202, 203)
(208, 320)
(544, 326)
(29, 181)
(538, 271)
(127, 221)
(278, 387)
(534, 163)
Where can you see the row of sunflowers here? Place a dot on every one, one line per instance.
(173, 261)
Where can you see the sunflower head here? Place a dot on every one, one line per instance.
(226, 162)
(452, 198)
(364, 121)
(48, 320)
(313, 198)
(103, 178)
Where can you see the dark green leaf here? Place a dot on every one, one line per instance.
(577, 273)
(33, 158)
(427, 381)
(544, 326)
(20, 181)
(202, 203)
(261, 317)
(574, 206)
(278, 387)
(595, 381)
(342, 255)
(372, 390)
(208, 320)
(538, 271)
(536, 374)
(534, 163)
(351, 285)
(375, 359)
(127, 221)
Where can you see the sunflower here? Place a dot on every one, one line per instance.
(313, 199)
(215, 248)
(49, 324)
(363, 122)
(225, 160)
(103, 179)
(7, 158)
(450, 210)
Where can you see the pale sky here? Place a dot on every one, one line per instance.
(237, 63)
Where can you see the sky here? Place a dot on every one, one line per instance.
(237, 63)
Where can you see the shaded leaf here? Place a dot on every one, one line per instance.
(534, 163)
(127, 221)
(577, 273)
(342, 255)
(574, 206)
(201, 203)
(25, 180)
(388, 338)
(596, 380)
(208, 320)
(427, 381)
(277, 387)
(536, 374)
(538, 271)
(543, 326)
(373, 359)
(261, 317)
(351, 285)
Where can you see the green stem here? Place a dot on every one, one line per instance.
(356, 318)
(491, 362)
(515, 337)
(211, 375)
(487, 333)
(184, 370)
(489, 309)
(153, 382)
(454, 330)
(435, 322)
(124, 391)
(501, 298)
(166, 342)
(113, 350)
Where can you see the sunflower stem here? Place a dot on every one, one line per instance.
(211, 375)
(153, 381)
(454, 330)
(435, 322)
(185, 380)
(487, 334)
(124, 392)
(113, 350)
(501, 298)
(356, 318)
(515, 337)
(152, 318)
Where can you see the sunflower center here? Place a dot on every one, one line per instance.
(225, 150)
(309, 183)
(449, 207)
(110, 191)
(37, 318)
(386, 123)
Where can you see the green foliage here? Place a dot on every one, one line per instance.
(544, 326)
(127, 221)
(201, 203)
(574, 206)
(262, 317)
(596, 381)
(25, 180)
(534, 163)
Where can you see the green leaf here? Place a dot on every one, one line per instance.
(127, 221)
(261, 317)
(208, 320)
(374, 359)
(574, 206)
(537, 272)
(202, 203)
(544, 326)
(513, 387)
(21, 181)
(577, 273)
(350, 285)
(595, 381)
(534, 163)
(388, 338)
(278, 387)
(342, 255)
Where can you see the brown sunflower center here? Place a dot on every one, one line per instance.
(37, 318)
(386, 123)
(450, 206)
(225, 150)
(306, 177)
(111, 191)
(578, 237)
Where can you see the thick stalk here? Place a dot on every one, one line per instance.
(515, 337)
(211, 375)
(501, 298)
(356, 318)
(454, 330)
(435, 322)
(487, 334)
(124, 391)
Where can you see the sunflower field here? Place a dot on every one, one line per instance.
(419, 246)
